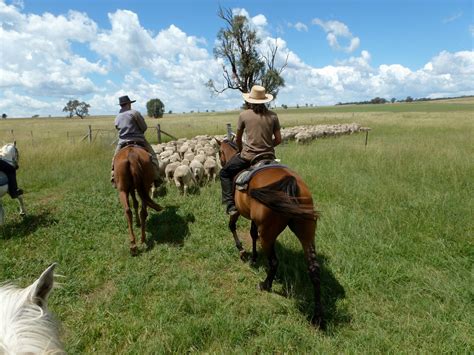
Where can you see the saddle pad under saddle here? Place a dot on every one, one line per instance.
(243, 179)
(3, 179)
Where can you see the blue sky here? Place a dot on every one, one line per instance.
(54, 50)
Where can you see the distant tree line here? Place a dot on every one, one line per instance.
(381, 100)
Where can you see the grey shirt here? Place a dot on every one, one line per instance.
(131, 126)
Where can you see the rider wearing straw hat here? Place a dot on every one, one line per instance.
(262, 130)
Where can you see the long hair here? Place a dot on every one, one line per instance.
(259, 109)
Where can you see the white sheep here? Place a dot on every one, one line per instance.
(170, 169)
(201, 158)
(210, 169)
(198, 171)
(183, 178)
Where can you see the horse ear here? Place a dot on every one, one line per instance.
(14, 143)
(218, 141)
(41, 288)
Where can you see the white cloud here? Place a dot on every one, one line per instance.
(452, 17)
(336, 30)
(299, 26)
(46, 60)
(37, 56)
(446, 74)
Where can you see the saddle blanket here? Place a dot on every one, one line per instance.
(243, 179)
(3, 179)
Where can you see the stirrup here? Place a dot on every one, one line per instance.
(232, 210)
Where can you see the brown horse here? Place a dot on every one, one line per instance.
(133, 171)
(277, 197)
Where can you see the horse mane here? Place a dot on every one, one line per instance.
(25, 326)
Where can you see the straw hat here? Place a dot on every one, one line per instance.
(257, 95)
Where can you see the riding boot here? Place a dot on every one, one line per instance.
(227, 186)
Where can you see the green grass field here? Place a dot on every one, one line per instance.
(395, 241)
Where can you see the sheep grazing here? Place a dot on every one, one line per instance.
(183, 178)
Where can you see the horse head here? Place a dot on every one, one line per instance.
(9, 152)
(227, 149)
(28, 326)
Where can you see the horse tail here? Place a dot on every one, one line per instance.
(282, 197)
(136, 169)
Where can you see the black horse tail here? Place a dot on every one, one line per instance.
(136, 169)
(282, 197)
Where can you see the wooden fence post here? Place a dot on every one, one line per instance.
(229, 131)
(90, 134)
(366, 137)
(158, 133)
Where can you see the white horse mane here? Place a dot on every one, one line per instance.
(9, 152)
(26, 326)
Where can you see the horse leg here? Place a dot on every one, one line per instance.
(135, 208)
(268, 234)
(128, 215)
(305, 231)
(269, 249)
(143, 216)
(233, 228)
(254, 235)
(22, 206)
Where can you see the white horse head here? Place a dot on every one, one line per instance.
(26, 326)
(9, 153)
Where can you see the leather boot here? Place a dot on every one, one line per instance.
(227, 186)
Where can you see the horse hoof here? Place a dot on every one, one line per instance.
(263, 287)
(243, 255)
(134, 251)
(23, 214)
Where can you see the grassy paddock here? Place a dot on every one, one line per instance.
(394, 241)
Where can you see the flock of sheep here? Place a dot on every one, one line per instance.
(189, 162)
(195, 161)
(305, 134)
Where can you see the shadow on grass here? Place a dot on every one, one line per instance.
(168, 227)
(27, 225)
(293, 275)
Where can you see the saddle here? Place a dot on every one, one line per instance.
(132, 143)
(258, 163)
(3, 179)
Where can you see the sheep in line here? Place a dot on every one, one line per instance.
(305, 134)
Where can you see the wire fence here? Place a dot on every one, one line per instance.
(90, 135)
